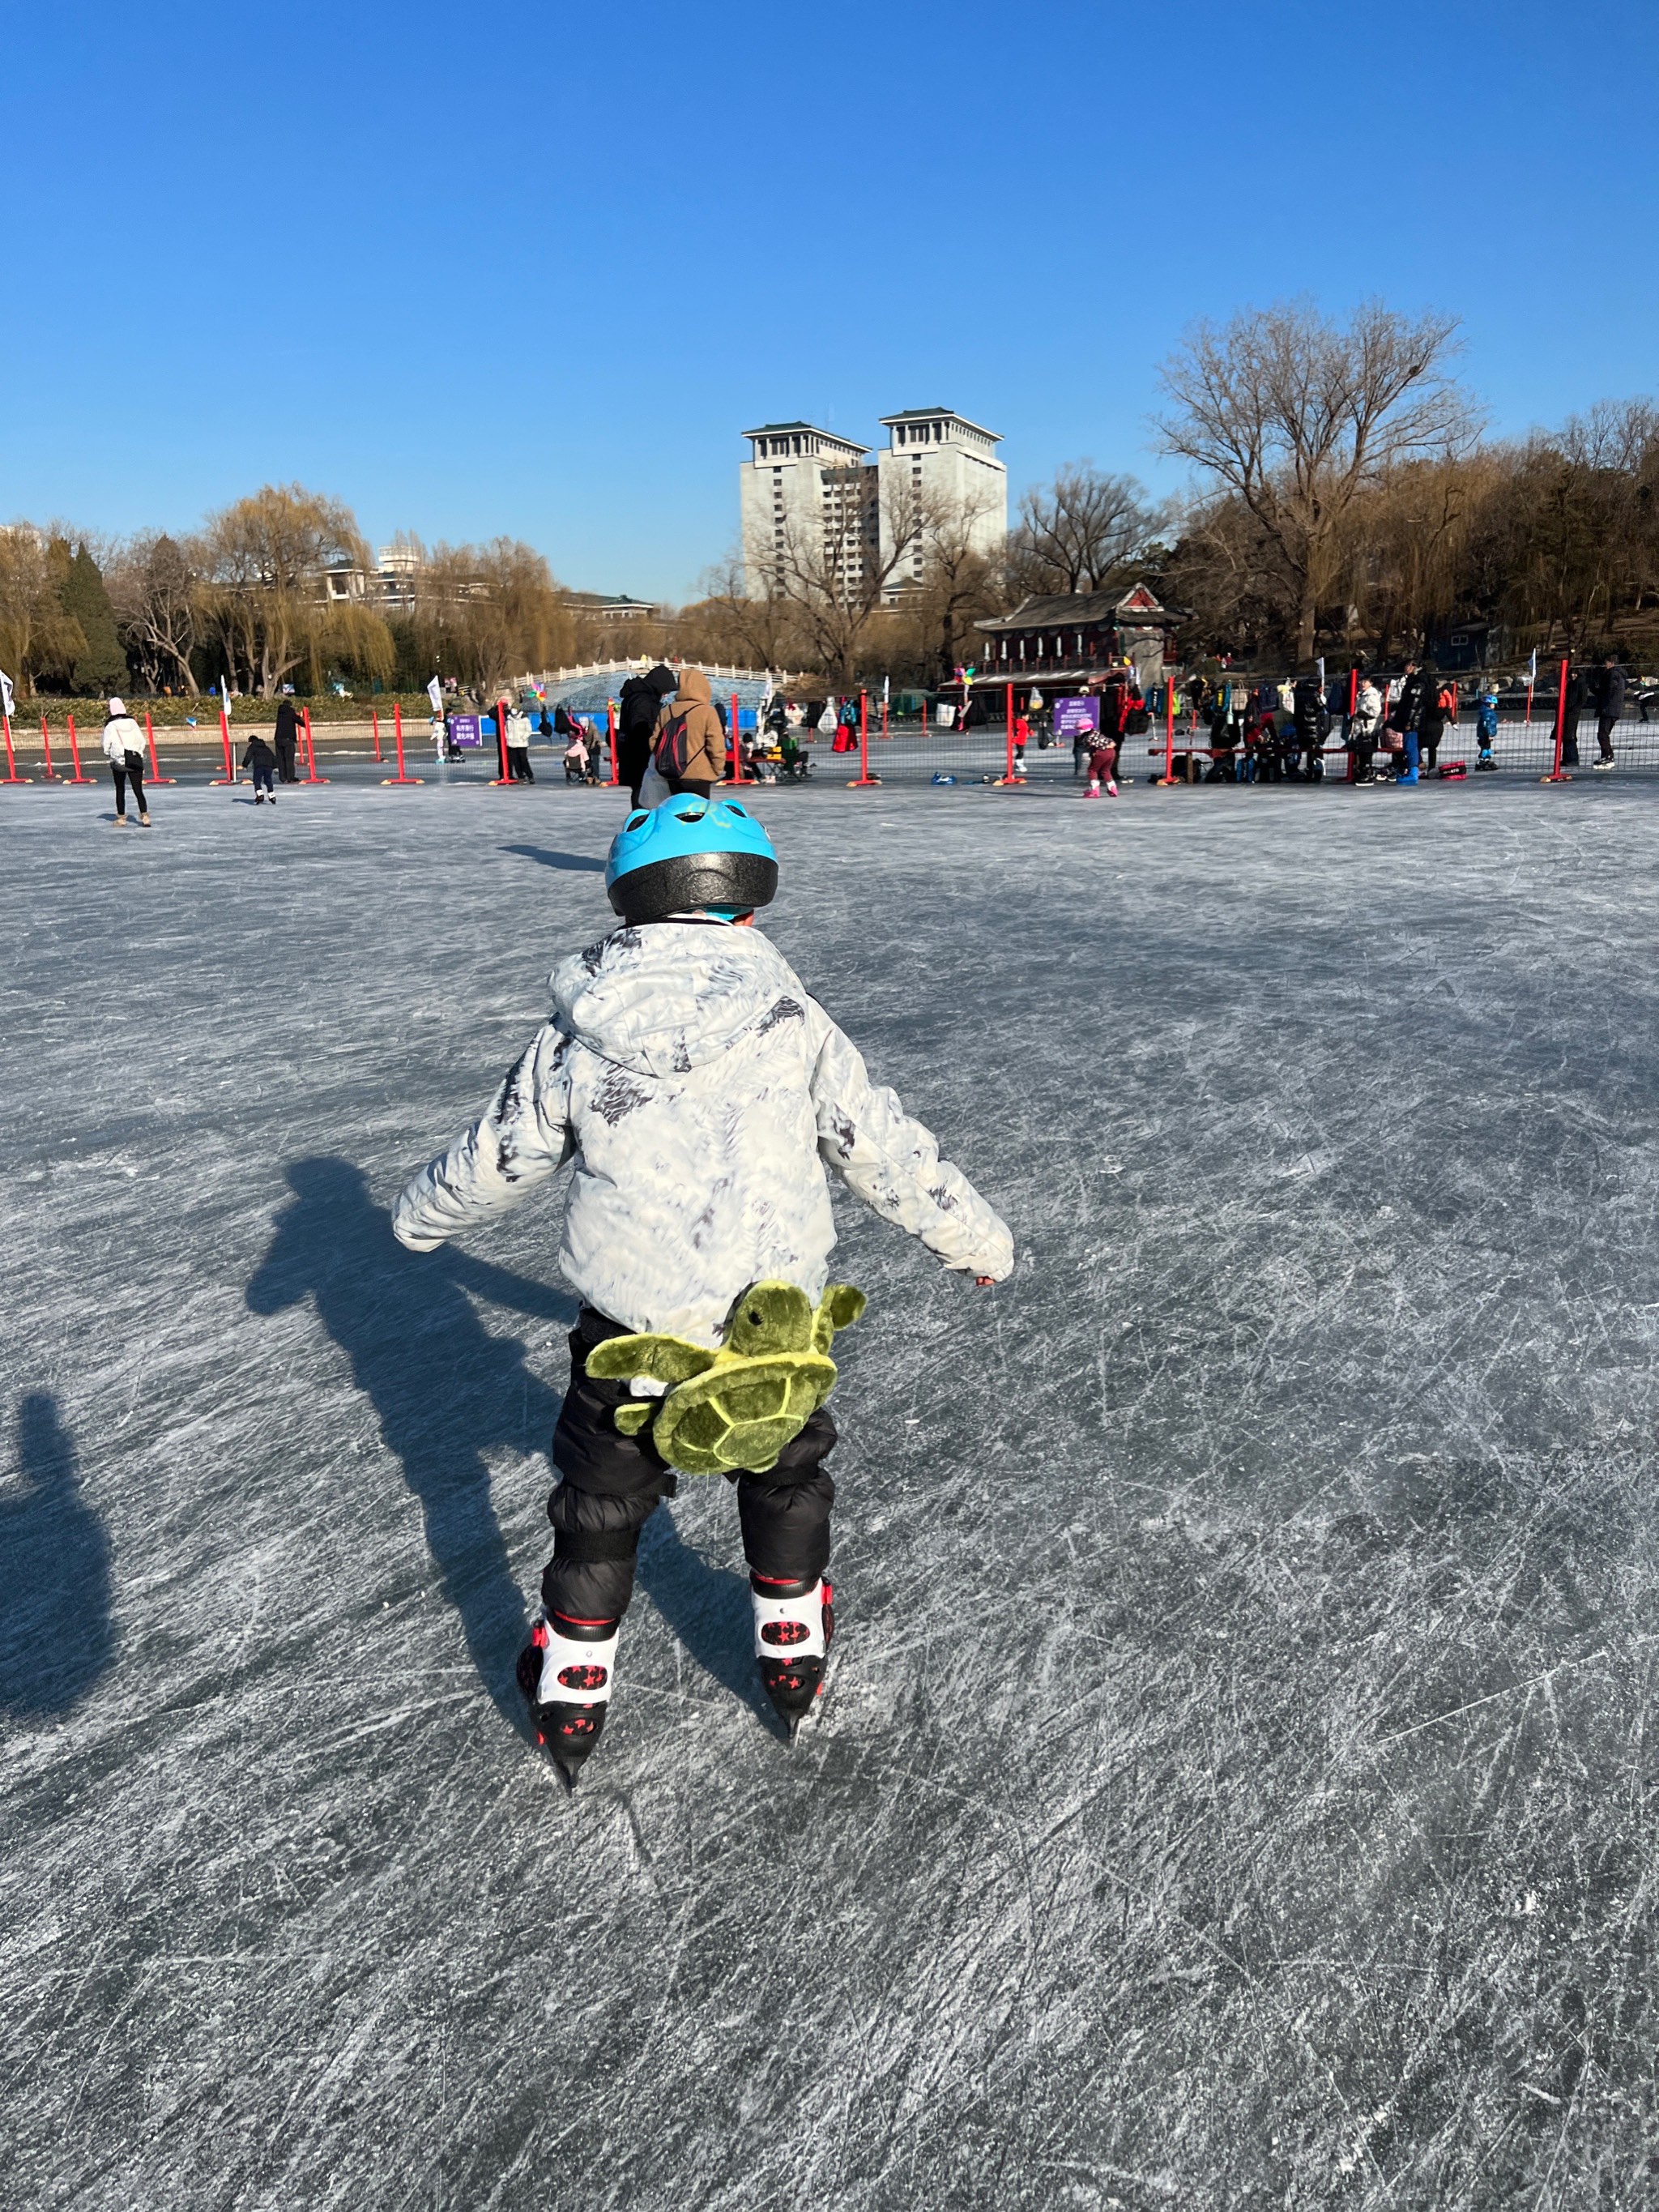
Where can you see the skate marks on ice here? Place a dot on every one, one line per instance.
(56, 1637)
(444, 1390)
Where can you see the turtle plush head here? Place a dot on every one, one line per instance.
(770, 1317)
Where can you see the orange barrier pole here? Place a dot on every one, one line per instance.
(155, 775)
(11, 775)
(402, 776)
(375, 717)
(52, 775)
(311, 775)
(1557, 774)
(737, 743)
(229, 775)
(884, 714)
(1008, 702)
(610, 733)
(501, 776)
(1168, 776)
(75, 755)
(864, 780)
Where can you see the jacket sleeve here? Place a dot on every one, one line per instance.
(524, 1139)
(892, 1162)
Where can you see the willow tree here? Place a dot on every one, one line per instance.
(1295, 417)
(264, 597)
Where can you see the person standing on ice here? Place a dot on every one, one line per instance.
(124, 748)
(699, 1093)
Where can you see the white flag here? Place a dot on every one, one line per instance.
(1531, 668)
(1321, 671)
(435, 691)
(224, 686)
(7, 705)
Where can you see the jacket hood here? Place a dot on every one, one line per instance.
(670, 996)
(662, 680)
(694, 685)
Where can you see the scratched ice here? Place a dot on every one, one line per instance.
(1233, 1787)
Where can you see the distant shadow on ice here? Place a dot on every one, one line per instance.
(444, 1390)
(573, 864)
(55, 1634)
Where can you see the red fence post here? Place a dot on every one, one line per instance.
(229, 775)
(1168, 776)
(1008, 716)
(500, 777)
(155, 775)
(863, 781)
(375, 717)
(75, 755)
(884, 714)
(50, 775)
(1557, 774)
(737, 743)
(398, 732)
(11, 775)
(611, 737)
(311, 775)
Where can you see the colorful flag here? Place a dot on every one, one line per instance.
(6, 703)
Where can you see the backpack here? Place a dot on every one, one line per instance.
(673, 751)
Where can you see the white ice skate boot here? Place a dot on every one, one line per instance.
(794, 1624)
(567, 1672)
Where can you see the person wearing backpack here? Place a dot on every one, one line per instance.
(637, 708)
(688, 749)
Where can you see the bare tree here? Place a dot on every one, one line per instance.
(153, 583)
(837, 582)
(487, 613)
(730, 621)
(1077, 534)
(1295, 416)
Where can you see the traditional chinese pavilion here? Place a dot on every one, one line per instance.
(1069, 636)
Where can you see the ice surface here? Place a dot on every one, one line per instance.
(1234, 1785)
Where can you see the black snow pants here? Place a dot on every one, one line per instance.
(611, 1484)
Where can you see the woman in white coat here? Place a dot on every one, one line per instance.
(124, 748)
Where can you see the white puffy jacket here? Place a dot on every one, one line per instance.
(121, 736)
(700, 1093)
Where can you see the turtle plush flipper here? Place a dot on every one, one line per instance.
(664, 1358)
(839, 1308)
(633, 1416)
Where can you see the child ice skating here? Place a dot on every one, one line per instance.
(699, 1093)
(260, 760)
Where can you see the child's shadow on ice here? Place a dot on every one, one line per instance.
(445, 1389)
(706, 1608)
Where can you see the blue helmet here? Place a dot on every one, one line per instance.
(690, 852)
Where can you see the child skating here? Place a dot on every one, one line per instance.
(699, 1093)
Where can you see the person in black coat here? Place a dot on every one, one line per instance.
(637, 708)
(1310, 723)
(1609, 707)
(286, 741)
(1567, 730)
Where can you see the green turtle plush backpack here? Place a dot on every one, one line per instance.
(738, 1407)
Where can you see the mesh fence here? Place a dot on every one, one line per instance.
(912, 751)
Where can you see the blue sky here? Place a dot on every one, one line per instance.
(531, 269)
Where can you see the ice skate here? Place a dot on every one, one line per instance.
(1093, 791)
(794, 1624)
(566, 1671)
(1111, 789)
(143, 821)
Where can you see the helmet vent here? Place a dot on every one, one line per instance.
(635, 820)
(688, 814)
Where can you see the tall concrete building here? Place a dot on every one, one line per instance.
(936, 462)
(809, 487)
